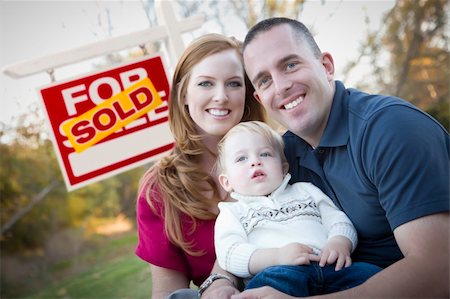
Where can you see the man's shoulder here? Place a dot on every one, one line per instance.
(291, 138)
(364, 105)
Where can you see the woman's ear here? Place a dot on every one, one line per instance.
(225, 183)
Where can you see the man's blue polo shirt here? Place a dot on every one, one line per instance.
(382, 161)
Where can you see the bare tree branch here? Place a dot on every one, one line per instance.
(22, 212)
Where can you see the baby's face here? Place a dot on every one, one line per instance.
(252, 165)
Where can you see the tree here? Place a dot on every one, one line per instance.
(410, 55)
(34, 201)
(248, 11)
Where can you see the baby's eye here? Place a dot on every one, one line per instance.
(205, 84)
(266, 154)
(241, 158)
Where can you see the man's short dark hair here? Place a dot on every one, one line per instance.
(299, 29)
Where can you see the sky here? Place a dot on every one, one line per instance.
(32, 29)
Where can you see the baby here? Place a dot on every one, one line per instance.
(290, 237)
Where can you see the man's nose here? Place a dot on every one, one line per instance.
(282, 83)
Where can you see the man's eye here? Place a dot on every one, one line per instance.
(263, 82)
(291, 65)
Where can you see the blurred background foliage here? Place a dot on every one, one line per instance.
(49, 235)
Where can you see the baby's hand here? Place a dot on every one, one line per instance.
(296, 254)
(337, 250)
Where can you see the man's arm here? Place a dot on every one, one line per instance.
(423, 272)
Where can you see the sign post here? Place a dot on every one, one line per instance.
(114, 120)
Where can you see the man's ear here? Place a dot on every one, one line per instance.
(328, 63)
(255, 94)
(225, 183)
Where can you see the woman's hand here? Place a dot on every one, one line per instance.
(220, 289)
(262, 293)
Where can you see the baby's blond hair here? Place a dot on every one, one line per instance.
(256, 127)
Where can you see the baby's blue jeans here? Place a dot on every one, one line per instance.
(308, 280)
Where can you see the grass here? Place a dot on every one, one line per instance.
(108, 268)
(123, 277)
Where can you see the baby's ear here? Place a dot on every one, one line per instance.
(285, 168)
(225, 183)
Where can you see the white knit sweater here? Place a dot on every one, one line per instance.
(299, 213)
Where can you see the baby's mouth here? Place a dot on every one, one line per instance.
(258, 174)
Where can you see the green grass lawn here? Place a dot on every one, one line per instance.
(123, 277)
(108, 268)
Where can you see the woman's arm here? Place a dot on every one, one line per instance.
(165, 281)
(222, 288)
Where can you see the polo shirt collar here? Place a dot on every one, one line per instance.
(336, 131)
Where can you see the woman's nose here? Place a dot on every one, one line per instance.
(220, 94)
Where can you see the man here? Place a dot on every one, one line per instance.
(384, 162)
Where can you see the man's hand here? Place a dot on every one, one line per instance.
(337, 250)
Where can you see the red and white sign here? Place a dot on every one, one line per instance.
(110, 121)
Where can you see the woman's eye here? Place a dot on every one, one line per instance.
(205, 84)
(235, 84)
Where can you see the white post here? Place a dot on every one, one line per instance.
(166, 17)
(170, 29)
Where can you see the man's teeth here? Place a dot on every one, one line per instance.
(293, 103)
(218, 112)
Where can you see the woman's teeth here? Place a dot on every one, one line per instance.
(219, 112)
(293, 103)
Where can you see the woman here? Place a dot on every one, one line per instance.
(178, 196)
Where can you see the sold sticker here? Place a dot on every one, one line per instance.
(111, 115)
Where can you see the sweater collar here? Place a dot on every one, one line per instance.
(251, 198)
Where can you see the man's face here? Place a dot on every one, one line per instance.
(294, 86)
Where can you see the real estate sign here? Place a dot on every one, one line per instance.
(110, 121)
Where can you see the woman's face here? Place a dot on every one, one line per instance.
(215, 94)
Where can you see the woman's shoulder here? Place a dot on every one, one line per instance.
(150, 199)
